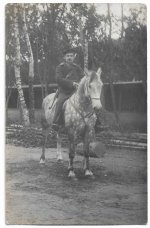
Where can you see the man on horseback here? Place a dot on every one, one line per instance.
(68, 75)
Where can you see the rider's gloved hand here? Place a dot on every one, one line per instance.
(75, 85)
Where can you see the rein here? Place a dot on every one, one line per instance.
(95, 98)
(80, 113)
(86, 86)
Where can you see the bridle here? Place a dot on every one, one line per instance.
(88, 93)
(90, 99)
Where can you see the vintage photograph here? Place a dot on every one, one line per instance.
(76, 114)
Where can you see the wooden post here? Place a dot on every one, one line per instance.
(120, 102)
(114, 102)
(110, 65)
(144, 84)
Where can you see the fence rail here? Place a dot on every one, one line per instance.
(129, 96)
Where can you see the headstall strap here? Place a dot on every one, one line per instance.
(91, 98)
(95, 98)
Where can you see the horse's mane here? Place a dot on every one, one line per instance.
(81, 85)
(82, 80)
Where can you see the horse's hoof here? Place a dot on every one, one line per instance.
(59, 158)
(88, 173)
(42, 161)
(72, 175)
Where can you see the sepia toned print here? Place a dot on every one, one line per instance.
(76, 114)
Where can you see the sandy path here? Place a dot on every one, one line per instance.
(38, 194)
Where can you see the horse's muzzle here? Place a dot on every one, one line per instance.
(96, 105)
(97, 109)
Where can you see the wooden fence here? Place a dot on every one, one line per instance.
(129, 96)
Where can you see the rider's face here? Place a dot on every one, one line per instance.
(69, 57)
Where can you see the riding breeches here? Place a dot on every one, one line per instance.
(58, 116)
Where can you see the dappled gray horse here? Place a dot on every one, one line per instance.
(79, 118)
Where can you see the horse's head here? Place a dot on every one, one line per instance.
(93, 88)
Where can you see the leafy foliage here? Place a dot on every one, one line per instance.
(53, 27)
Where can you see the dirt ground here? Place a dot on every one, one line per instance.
(43, 194)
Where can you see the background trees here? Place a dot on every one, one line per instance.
(52, 27)
(49, 28)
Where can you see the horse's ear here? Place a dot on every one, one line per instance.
(99, 72)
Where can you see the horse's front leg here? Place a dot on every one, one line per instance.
(59, 150)
(86, 166)
(71, 158)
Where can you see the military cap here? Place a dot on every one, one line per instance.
(69, 50)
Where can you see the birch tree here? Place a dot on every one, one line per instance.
(17, 63)
(83, 41)
(31, 68)
(122, 22)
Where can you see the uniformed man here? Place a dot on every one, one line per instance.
(68, 75)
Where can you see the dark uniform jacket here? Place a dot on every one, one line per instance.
(66, 75)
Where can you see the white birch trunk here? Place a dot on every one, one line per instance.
(24, 111)
(31, 69)
(122, 24)
(83, 42)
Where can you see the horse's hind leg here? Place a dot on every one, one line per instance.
(59, 152)
(44, 140)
